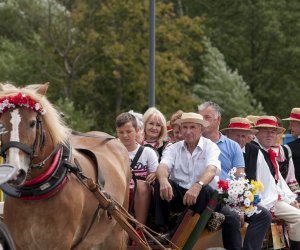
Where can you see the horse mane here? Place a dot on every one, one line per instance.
(59, 131)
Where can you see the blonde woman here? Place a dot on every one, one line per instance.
(155, 130)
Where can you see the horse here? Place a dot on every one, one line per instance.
(47, 205)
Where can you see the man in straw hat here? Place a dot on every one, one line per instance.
(277, 196)
(294, 146)
(239, 130)
(231, 156)
(186, 172)
(252, 119)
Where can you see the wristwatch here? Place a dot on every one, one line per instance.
(200, 183)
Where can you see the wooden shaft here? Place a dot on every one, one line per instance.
(107, 204)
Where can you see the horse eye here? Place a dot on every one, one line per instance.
(32, 124)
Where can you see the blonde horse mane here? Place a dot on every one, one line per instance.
(53, 121)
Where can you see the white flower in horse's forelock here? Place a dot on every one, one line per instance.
(37, 106)
(6, 104)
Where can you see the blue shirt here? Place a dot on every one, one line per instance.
(231, 155)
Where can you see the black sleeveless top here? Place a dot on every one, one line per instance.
(284, 165)
(159, 150)
(267, 158)
(250, 157)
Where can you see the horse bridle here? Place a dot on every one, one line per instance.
(39, 137)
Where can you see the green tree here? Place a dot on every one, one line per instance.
(225, 87)
(95, 54)
(261, 40)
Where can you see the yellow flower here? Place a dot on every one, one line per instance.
(258, 186)
(251, 197)
(248, 209)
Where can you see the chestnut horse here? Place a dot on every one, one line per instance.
(47, 206)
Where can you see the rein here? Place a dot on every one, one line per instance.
(115, 210)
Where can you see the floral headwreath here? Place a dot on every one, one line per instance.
(20, 100)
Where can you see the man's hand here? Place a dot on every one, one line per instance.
(295, 204)
(191, 195)
(166, 191)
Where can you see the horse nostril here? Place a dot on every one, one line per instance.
(19, 178)
(21, 174)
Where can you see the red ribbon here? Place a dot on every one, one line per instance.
(267, 121)
(272, 156)
(295, 116)
(239, 125)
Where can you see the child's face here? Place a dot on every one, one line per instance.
(127, 134)
(153, 128)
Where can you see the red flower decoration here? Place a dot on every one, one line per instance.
(222, 184)
(20, 100)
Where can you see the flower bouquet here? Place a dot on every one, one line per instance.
(240, 194)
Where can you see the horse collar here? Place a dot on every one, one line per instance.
(45, 185)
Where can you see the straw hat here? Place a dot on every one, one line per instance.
(294, 115)
(239, 123)
(192, 117)
(252, 118)
(268, 122)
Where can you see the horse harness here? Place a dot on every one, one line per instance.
(39, 137)
(49, 183)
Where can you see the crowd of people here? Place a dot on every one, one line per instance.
(176, 165)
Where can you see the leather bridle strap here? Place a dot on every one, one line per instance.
(25, 148)
(16, 144)
(42, 163)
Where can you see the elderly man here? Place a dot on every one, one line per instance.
(231, 156)
(186, 171)
(277, 196)
(239, 130)
(294, 146)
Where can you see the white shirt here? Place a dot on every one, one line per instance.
(271, 190)
(147, 163)
(185, 168)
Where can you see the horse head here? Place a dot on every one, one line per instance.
(28, 137)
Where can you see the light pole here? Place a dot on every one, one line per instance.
(151, 99)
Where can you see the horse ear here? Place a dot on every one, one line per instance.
(43, 89)
(38, 88)
(7, 87)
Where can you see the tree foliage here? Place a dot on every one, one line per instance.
(224, 86)
(95, 55)
(261, 40)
